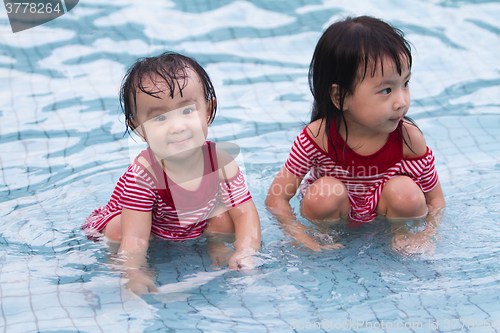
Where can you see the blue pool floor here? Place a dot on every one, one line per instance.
(62, 150)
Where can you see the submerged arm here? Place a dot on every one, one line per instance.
(136, 231)
(247, 234)
(435, 199)
(245, 218)
(282, 189)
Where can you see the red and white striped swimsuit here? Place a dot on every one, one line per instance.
(177, 213)
(363, 176)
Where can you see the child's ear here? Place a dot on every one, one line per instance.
(335, 95)
(210, 111)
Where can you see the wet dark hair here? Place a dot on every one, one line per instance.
(346, 49)
(169, 68)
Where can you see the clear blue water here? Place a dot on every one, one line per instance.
(62, 150)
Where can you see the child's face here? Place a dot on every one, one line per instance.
(379, 102)
(174, 127)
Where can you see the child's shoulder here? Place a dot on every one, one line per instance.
(415, 142)
(142, 162)
(140, 165)
(315, 126)
(227, 164)
(316, 131)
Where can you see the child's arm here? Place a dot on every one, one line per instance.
(245, 218)
(418, 147)
(282, 189)
(435, 199)
(247, 235)
(136, 231)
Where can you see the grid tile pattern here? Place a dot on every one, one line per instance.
(62, 150)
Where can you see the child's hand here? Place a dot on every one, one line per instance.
(413, 244)
(420, 239)
(139, 282)
(315, 246)
(243, 260)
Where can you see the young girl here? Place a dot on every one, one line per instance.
(363, 155)
(181, 186)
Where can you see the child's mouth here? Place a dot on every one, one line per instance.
(181, 142)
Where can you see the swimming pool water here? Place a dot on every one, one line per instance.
(62, 150)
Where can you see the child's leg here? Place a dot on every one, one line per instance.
(326, 200)
(402, 198)
(220, 221)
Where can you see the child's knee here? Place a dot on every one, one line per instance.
(326, 199)
(404, 198)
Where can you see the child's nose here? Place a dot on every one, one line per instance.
(401, 100)
(177, 125)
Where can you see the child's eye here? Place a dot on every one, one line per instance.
(407, 83)
(187, 111)
(386, 91)
(160, 118)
